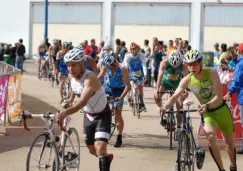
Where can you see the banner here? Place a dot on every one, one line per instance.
(3, 94)
(14, 95)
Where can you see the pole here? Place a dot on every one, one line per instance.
(46, 20)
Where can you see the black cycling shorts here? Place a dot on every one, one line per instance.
(97, 128)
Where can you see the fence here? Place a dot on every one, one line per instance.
(10, 92)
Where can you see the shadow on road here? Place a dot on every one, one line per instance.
(18, 136)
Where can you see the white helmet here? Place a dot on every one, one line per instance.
(107, 46)
(192, 56)
(175, 58)
(74, 55)
(43, 42)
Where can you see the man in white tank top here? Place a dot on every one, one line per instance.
(97, 114)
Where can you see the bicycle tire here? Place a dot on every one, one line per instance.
(183, 165)
(171, 127)
(51, 145)
(137, 104)
(72, 131)
(134, 104)
(113, 124)
(192, 150)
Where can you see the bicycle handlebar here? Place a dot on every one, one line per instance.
(24, 116)
(178, 111)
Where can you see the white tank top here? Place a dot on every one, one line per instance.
(97, 102)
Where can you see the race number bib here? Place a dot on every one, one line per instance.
(137, 74)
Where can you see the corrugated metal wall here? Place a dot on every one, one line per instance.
(222, 24)
(145, 21)
(67, 21)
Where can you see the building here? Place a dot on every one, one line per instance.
(202, 22)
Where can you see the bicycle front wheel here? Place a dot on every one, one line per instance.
(42, 155)
(183, 153)
(71, 150)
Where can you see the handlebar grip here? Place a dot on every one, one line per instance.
(25, 126)
(61, 125)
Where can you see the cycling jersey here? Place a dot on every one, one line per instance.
(220, 115)
(116, 83)
(136, 65)
(97, 102)
(172, 77)
(115, 80)
(42, 52)
(62, 65)
(97, 114)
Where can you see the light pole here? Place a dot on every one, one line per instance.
(46, 20)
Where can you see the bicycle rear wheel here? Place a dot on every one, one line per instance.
(42, 155)
(71, 150)
(113, 124)
(183, 153)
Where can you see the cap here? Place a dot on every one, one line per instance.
(240, 47)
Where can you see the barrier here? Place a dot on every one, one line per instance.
(10, 92)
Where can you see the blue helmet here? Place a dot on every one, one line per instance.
(108, 59)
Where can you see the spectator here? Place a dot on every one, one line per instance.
(223, 51)
(20, 56)
(7, 58)
(147, 54)
(1, 51)
(165, 49)
(176, 42)
(155, 42)
(171, 47)
(157, 56)
(60, 44)
(230, 62)
(47, 43)
(118, 47)
(93, 49)
(237, 86)
(93, 52)
(122, 52)
(86, 47)
(185, 44)
(216, 55)
(189, 48)
(13, 53)
(101, 46)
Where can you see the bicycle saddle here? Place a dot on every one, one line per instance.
(188, 102)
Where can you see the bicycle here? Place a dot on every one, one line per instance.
(66, 154)
(111, 100)
(135, 98)
(169, 121)
(188, 152)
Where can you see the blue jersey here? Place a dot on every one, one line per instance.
(115, 80)
(63, 66)
(135, 67)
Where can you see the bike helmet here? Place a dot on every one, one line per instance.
(108, 60)
(74, 55)
(133, 46)
(175, 58)
(79, 47)
(66, 44)
(192, 56)
(54, 41)
(107, 46)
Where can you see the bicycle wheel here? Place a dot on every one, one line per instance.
(47, 159)
(71, 150)
(134, 106)
(183, 153)
(192, 151)
(113, 124)
(137, 105)
(171, 127)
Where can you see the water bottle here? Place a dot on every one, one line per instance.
(57, 142)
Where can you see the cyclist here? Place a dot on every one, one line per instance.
(97, 117)
(136, 64)
(118, 81)
(171, 71)
(42, 48)
(53, 50)
(214, 112)
(62, 67)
